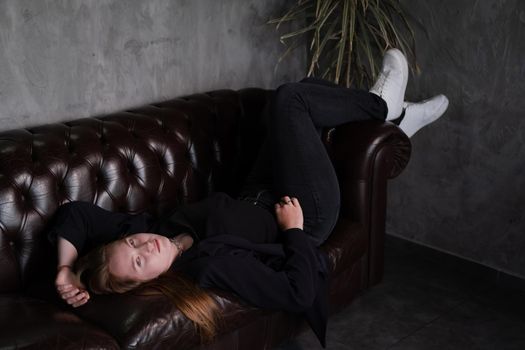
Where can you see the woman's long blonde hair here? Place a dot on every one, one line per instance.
(194, 302)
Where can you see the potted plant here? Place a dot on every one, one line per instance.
(347, 37)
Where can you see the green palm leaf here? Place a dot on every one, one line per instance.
(365, 29)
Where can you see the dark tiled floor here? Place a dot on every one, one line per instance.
(425, 304)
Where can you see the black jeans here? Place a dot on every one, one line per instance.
(293, 160)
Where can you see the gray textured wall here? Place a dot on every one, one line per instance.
(463, 191)
(66, 59)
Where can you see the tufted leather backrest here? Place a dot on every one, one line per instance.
(152, 159)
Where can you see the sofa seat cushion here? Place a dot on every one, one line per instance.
(141, 321)
(27, 322)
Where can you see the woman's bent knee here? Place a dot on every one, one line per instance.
(290, 93)
(289, 89)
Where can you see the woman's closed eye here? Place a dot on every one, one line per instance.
(138, 261)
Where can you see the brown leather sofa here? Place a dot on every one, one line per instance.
(151, 159)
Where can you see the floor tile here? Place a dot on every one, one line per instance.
(308, 341)
(424, 304)
(504, 301)
(469, 326)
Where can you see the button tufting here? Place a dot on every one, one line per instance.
(11, 244)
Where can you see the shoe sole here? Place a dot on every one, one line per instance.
(442, 108)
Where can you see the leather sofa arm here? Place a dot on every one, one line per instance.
(361, 142)
(365, 155)
(344, 246)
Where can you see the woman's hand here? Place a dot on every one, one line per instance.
(289, 213)
(70, 288)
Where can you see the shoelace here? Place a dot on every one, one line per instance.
(382, 82)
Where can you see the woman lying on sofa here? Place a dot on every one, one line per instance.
(263, 245)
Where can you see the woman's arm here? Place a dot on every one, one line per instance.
(78, 227)
(86, 225)
(67, 253)
(292, 288)
(67, 282)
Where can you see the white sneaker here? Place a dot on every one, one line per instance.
(420, 114)
(392, 82)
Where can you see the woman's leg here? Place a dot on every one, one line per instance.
(301, 167)
(260, 175)
(318, 81)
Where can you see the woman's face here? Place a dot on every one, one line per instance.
(140, 257)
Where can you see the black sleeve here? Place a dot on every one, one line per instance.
(293, 288)
(86, 225)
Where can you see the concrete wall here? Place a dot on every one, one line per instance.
(464, 189)
(65, 59)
